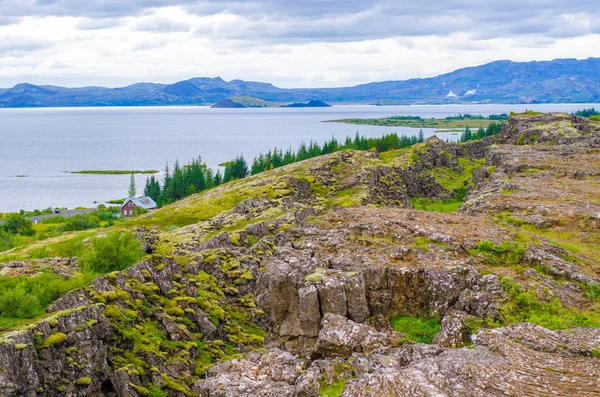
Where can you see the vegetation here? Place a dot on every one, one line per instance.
(181, 182)
(115, 172)
(459, 121)
(525, 306)
(587, 112)
(277, 158)
(116, 251)
(18, 224)
(27, 297)
(468, 135)
(420, 330)
(504, 254)
(132, 189)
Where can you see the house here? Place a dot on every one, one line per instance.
(131, 203)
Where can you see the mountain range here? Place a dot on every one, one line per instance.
(557, 81)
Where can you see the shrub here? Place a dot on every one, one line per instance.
(18, 224)
(6, 240)
(79, 222)
(117, 251)
(27, 297)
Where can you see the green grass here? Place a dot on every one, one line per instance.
(333, 390)
(115, 172)
(420, 330)
(524, 306)
(503, 254)
(447, 206)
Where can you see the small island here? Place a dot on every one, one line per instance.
(452, 122)
(242, 102)
(310, 104)
(114, 172)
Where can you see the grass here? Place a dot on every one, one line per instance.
(420, 330)
(447, 206)
(503, 254)
(525, 306)
(115, 172)
(333, 390)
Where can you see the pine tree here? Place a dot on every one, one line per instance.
(421, 136)
(132, 190)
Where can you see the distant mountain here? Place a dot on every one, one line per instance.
(561, 80)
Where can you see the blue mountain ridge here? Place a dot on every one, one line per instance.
(556, 81)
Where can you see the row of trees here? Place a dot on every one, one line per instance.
(587, 112)
(196, 176)
(468, 135)
(181, 182)
(277, 158)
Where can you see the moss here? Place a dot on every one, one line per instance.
(175, 311)
(54, 340)
(83, 381)
(173, 385)
(53, 322)
(20, 346)
(142, 391)
(234, 238)
(316, 276)
(112, 311)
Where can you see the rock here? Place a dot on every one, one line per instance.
(341, 337)
(456, 329)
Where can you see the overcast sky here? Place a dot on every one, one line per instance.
(291, 43)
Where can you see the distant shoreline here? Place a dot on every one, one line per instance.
(114, 172)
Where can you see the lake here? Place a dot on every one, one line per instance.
(40, 147)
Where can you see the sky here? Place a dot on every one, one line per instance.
(308, 43)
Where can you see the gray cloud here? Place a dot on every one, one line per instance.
(335, 20)
(18, 45)
(98, 23)
(160, 25)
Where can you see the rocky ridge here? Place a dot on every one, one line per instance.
(290, 290)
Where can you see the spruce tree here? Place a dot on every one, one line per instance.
(132, 190)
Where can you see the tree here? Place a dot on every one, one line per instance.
(18, 224)
(421, 136)
(236, 169)
(132, 190)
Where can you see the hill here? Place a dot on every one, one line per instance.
(557, 81)
(323, 278)
(244, 102)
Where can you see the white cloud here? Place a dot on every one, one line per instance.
(291, 44)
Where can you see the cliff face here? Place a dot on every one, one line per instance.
(287, 282)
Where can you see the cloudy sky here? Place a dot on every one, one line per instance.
(291, 43)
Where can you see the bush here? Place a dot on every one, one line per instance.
(79, 222)
(6, 241)
(26, 297)
(18, 224)
(117, 251)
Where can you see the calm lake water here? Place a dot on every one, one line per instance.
(40, 147)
